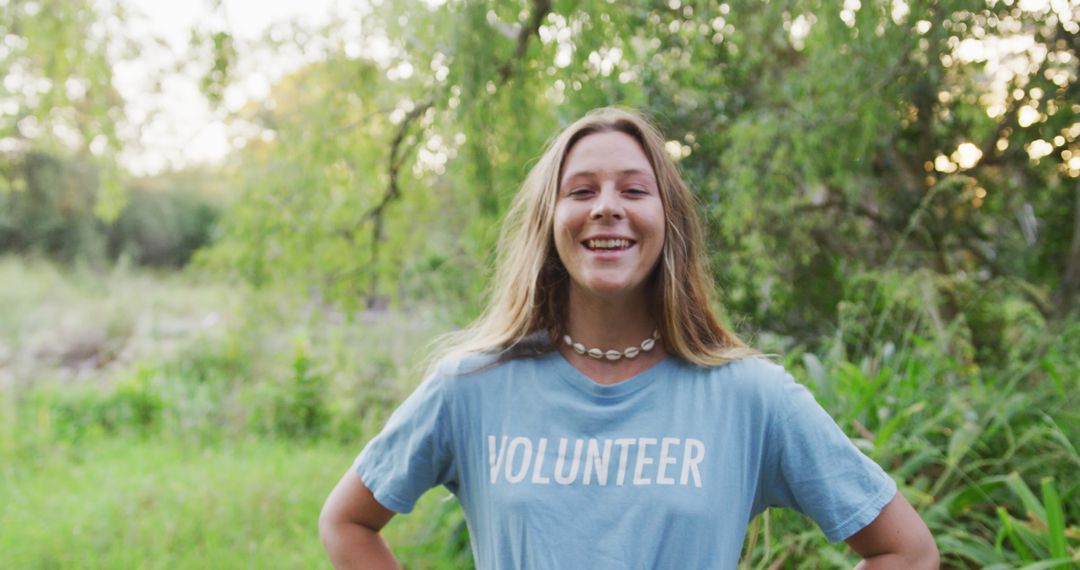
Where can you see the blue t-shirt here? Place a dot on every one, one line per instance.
(663, 470)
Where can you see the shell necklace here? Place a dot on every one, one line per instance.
(630, 352)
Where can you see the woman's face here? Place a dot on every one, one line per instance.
(609, 219)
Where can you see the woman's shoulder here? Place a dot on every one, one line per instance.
(756, 368)
(754, 374)
(462, 364)
(459, 363)
(445, 379)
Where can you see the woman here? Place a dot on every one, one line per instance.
(598, 415)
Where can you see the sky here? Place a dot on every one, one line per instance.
(172, 125)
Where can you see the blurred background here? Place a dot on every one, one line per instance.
(229, 230)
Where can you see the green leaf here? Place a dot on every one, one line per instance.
(1055, 563)
(1055, 519)
(1032, 504)
(1014, 538)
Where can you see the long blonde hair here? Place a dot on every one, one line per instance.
(529, 291)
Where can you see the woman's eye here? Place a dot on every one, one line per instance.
(580, 192)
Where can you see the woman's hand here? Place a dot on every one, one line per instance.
(349, 526)
(898, 538)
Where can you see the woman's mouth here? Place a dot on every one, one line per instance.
(618, 244)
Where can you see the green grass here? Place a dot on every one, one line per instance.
(130, 503)
(186, 452)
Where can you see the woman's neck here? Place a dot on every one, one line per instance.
(610, 323)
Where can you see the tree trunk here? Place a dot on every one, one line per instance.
(1070, 279)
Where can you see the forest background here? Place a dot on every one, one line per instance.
(191, 357)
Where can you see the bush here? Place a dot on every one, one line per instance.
(299, 408)
(162, 228)
(966, 445)
(51, 210)
(74, 414)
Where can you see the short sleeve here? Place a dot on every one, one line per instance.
(815, 469)
(412, 453)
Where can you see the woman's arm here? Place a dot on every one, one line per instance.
(898, 538)
(349, 526)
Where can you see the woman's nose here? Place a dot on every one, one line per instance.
(607, 204)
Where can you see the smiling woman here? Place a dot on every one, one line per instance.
(599, 415)
(609, 219)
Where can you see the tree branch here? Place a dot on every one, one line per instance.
(844, 206)
(541, 8)
(399, 153)
(353, 124)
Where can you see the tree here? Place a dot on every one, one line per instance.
(57, 91)
(822, 141)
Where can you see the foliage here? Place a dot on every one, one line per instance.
(167, 218)
(822, 143)
(1042, 538)
(53, 213)
(57, 92)
(61, 120)
(963, 444)
(299, 405)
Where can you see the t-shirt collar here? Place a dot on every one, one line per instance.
(579, 381)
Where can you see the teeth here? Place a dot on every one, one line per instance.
(608, 243)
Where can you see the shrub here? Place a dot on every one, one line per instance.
(299, 407)
(966, 445)
(52, 211)
(74, 414)
(162, 228)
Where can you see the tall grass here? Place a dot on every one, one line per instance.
(968, 444)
